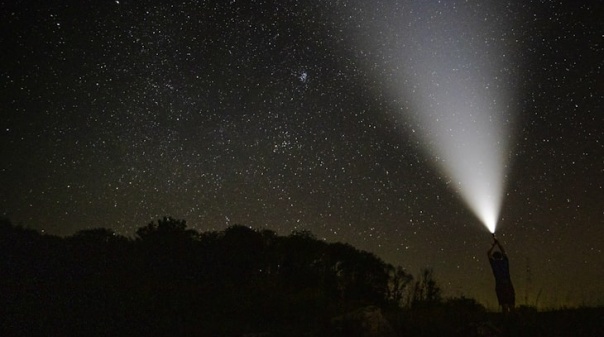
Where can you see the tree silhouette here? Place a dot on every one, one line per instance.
(173, 280)
(399, 281)
(426, 291)
(166, 228)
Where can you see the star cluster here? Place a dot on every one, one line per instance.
(274, 114)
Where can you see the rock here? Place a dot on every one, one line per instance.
(364, 322)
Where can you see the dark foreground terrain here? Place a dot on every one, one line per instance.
(524, 322)
(172, 281)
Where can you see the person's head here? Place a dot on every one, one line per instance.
(497, 255)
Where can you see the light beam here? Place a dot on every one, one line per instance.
(449, 61)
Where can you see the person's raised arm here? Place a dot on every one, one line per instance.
(490, 252)
(500, 247)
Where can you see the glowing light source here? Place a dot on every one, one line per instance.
(469, 148)
(451, 66)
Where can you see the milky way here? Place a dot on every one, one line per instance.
(276, 115)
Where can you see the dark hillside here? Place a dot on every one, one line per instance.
(173, 281)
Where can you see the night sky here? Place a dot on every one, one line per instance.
(280, 115)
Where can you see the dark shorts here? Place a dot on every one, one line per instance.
(505, 293)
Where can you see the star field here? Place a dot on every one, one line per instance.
(277, 115)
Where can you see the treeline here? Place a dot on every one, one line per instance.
(172, 280)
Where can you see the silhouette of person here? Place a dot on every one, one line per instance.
(503, 283)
